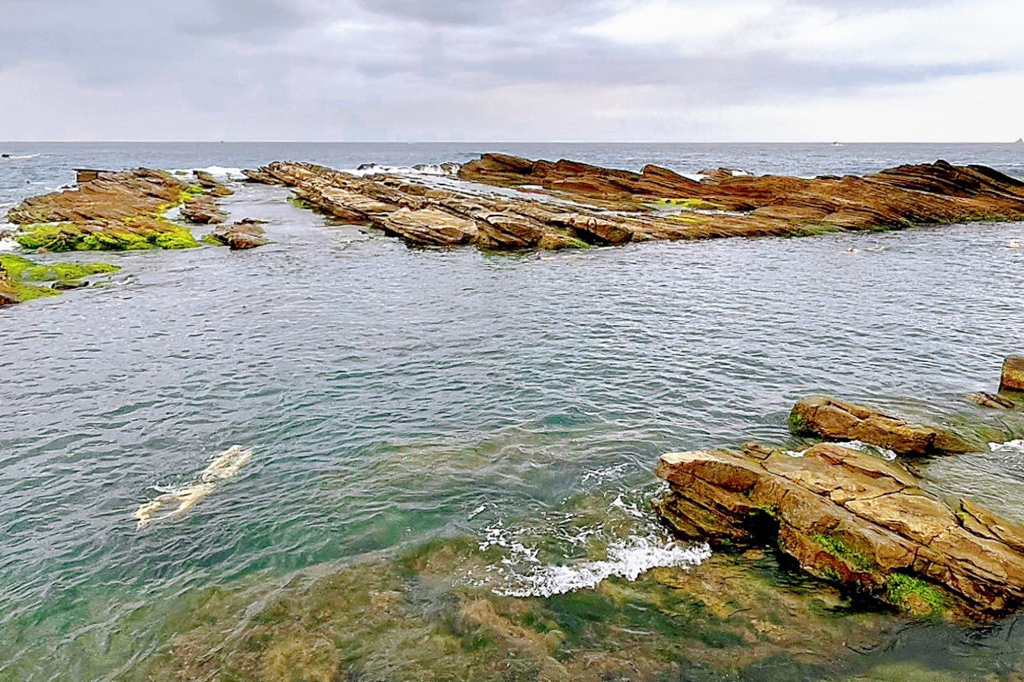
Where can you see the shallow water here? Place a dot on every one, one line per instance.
(392, 396)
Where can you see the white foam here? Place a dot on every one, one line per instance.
(696, 177)
(176, 502)
(429, 169)
(19, 157)
(627, 559)
(221, 172)
(885, 453)
(1014, 446)
(8, 244)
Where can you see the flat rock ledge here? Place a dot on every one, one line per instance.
(851, 518)
(118, 211)
(834, 419)
(568, 204)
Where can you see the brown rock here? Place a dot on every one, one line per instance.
(1013, 374)
(245, 234)
(851, 518)
(991, 400)
(835, 419)
(203, 210)
(430, 226)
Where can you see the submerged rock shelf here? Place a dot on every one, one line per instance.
(567, 204)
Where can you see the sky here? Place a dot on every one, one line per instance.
(512, 70)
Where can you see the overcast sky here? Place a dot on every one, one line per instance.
(512, 70)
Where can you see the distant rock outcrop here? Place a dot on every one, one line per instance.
(565, 203)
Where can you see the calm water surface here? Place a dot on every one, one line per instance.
(393, 395)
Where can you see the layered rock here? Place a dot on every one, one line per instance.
(835, 419)
(924, 193)
(203, 210)
(245, 234)
(115, 211)
(566, 203)
(851, 518)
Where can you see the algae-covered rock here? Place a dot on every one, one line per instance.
(245, 234)
(116, 211)
(22, 279)
(851, 518)
(835, 419)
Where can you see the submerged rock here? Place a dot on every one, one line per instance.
(1013, 374)
(835, 419)
(22, 279)
(853, 519)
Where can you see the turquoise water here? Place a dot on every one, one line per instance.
(392, 395)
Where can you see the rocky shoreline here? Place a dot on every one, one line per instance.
(853, 519)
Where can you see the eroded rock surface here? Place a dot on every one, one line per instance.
(116, 211)
(566, 203)
(851, 518)
(835, 419)
(245, 234)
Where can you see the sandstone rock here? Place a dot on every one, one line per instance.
(116, 211)
(834, 419)
(245, 234)
(203, 210)
(611, 206)
(851, 518)
(1013, 374)
(430, 226)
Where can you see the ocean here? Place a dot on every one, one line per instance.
(397, 400)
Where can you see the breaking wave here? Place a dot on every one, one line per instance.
(220, 172)
(627, 559)
(18, 157)
(1013, 446)
(429, 169)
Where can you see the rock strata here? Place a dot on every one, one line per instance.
(851, 518)
(245, 234)
(565, 203)
(203, 210)
(835, 419)
(116, 211)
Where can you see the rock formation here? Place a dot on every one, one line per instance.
(851, 518)
(115, 211)
(834, 419)
(1013, 374)
(203, 210)
(245, 234)
(567, 204)
(23, 280)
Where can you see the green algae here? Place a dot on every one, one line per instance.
(839, 549)
(911, 594)
(25, 270)
(136, 234)
(691, 204)
(798, 426)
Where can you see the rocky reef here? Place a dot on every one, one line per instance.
(244, 234)
(567, 204)
(851, 518)
(22, 279)
(115, 211)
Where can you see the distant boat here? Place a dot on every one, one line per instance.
(837, 144)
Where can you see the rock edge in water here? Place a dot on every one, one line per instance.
(834, 419)
(850, 518)
(567, 204)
